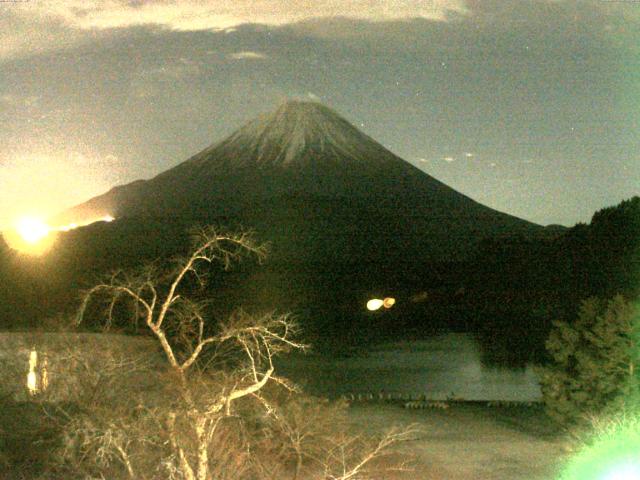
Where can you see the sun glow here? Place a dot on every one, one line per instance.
(33, 236)
(627, 471)
(611, 455)
(30, 235)
(32, 229)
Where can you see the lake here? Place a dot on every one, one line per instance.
(439, 367)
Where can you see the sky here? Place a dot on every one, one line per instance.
(531, 107)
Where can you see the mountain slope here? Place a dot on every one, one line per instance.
(305, 169)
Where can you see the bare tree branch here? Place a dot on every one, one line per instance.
(179, 326)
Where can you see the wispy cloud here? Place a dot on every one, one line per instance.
(248, 55)
(225, 14)
(37, 25)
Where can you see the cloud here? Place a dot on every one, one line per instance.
(226, 14)
(149, 81)
(36, 26)
(248, 55)
(40, 25)
(304, 97)
(25, 31)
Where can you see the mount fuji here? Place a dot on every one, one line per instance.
(313, 184)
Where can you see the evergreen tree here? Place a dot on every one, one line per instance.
(594, 368)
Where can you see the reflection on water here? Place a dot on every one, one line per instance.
(440, 367)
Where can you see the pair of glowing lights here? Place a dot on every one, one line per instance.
(376, 303)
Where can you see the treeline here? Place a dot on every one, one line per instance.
(518, 286)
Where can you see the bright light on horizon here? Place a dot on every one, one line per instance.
(32, 235)
(32, 229)
(66, 228)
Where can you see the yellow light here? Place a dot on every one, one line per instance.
(32, 381)
(44, 375)
(74, 225)
(33, 236)
(374, 304)
(30, 235)
(67, 228)
(32, 229)
(388, 302)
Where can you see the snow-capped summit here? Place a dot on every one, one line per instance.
(299, 132)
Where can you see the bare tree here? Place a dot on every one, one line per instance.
(211, 406)
(317, 433)
(352, 456)
(180, 328)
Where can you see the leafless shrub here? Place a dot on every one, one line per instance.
(214, 406)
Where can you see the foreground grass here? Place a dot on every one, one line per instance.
(475, 442)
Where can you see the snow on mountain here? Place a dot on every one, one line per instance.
(298, 132)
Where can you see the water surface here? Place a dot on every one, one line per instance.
(443, 366)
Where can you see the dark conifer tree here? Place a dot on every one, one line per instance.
(595, 362)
